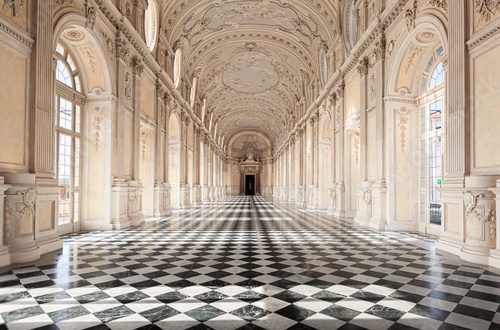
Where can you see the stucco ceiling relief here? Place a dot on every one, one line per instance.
(235, 14)
(250, 72)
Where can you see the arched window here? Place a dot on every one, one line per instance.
(177, 67)
(68, 104)
(151, 25)
(437, 76)
(432, 107)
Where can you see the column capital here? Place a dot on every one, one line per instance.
(362, 67)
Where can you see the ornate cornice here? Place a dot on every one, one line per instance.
(16, 33)
(397, 99)
(482, 36)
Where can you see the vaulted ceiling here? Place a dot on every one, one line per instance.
(252, 57)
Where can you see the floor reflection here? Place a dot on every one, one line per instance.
(246, 264)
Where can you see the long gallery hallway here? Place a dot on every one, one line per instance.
(247, 264)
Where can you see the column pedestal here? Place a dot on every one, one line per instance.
(480, 219)
(31, 217)
(197, 195)
(339, 208)
(378, 217)
(311, 197)
(4, 250)
(205, 194)
(119, 205)
(331, 200)
(185, 194)
(495, 254)
(135, 215)
(364, 209)
(162, 200)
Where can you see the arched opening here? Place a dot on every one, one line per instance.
(82, 110)
(417, 74)
(174, 159)
(68, 138)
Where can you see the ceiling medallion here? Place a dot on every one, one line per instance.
(74, 35)
(426, 37)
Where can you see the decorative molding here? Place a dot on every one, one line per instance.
(485, 213)
(16, 33)
(443, 4)
(367, 197)
(356, 148)
(486, 9)
(403, 121)
(372, 88)
(62, 2)
(137, 66)
(97, 124)
(15, 6)
(128, 87)
(21, 211)
(90, 15)
(482, 36)
(362, 67)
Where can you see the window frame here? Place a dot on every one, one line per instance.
(74, 97)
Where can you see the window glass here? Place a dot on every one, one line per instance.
(437, 77)
(63, 74)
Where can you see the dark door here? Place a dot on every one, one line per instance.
(249, 184)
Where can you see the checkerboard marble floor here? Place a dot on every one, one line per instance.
(246, 264)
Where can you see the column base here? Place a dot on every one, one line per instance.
(449, 245)
(494, 260)
(364, 206)
(135, 215)
(378, 219)
(197, 201)
(185, 192)
(119, 207)
(162, 200)
(26, 254)
(5, 258)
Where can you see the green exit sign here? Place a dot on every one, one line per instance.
(440, 181)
